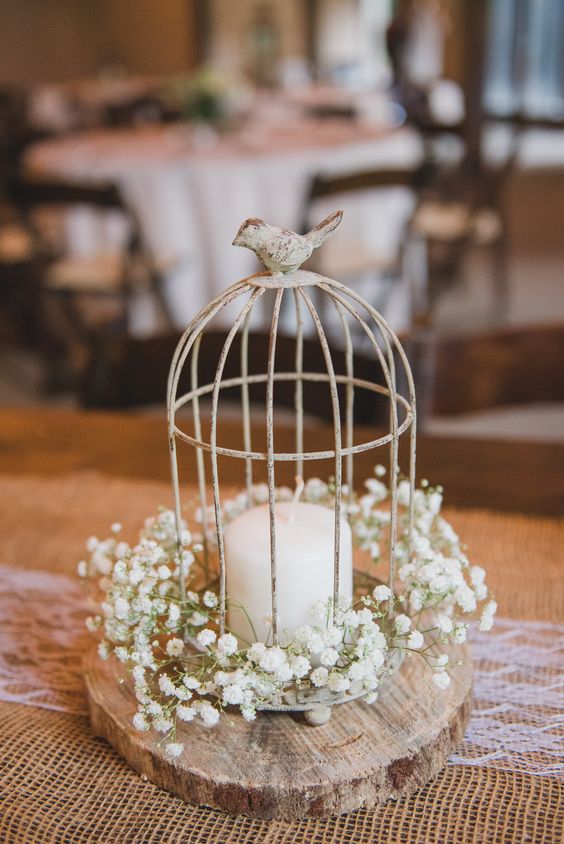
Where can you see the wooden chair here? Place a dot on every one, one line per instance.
(124, 372)
(356, 260)
(463, 211)
(463, 374)
(71, 284)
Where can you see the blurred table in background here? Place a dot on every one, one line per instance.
(56, 107)
(191, 187)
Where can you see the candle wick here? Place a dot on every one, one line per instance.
(297, 495)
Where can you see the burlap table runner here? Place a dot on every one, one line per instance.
(58, 783)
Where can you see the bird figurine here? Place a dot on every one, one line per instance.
(281, 250)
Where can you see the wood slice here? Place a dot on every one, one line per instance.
(278, 766)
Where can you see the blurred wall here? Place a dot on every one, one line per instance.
(51, 40)
(48, 39)
(150, 36)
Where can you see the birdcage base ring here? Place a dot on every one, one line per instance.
(273, 768)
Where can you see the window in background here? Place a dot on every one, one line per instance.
(525, 70)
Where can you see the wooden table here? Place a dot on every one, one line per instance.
(58, 781)
(497, 475)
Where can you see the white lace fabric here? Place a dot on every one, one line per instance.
(517, 721)
(42, 639)
(518, 709)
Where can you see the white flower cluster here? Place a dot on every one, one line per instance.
(184, 669)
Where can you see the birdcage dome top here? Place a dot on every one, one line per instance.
(279, 282)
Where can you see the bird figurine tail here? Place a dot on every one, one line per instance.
(323, 229)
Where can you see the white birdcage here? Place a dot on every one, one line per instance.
(286, 285)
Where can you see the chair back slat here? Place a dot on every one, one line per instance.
(30, 194)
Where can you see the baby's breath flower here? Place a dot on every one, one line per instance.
(382, 593)
(163, 725)
(338, 682)
(300, 666)
(103, 650)
(198, 619)
(487, 617)
(402, 624)
(441, 679)
(444, 623)
(249, 713)
(206, 637)
(377, 490)
(138, 673)
(319, 676)
(139, 594)
(166, 685)
(174, 647)
(460, 634)
(92, 623)
(174, 749)
(333, 635)
(210, 599)
(415, 640)
(104, 564)
(272, 659)
(185, 713)
(173, 615)
(227, 644)
(233, 694)
(403, 493)
(255, 652)
(364, 616)
(209, 715)
(374, 550)
(329, 656)
(140, 722)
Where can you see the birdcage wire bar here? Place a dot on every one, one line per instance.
(347, 304)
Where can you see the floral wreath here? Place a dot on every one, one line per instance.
(183, 670)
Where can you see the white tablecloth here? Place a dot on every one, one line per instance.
(191, 191)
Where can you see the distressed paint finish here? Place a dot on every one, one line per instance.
(282, 252)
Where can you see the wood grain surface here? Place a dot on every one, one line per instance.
(277, 766)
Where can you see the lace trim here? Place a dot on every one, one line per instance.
(516, 722)
(518, 716)
(42, 640)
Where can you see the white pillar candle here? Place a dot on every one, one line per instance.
(305, 542)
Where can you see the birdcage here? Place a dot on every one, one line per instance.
(300, 296)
